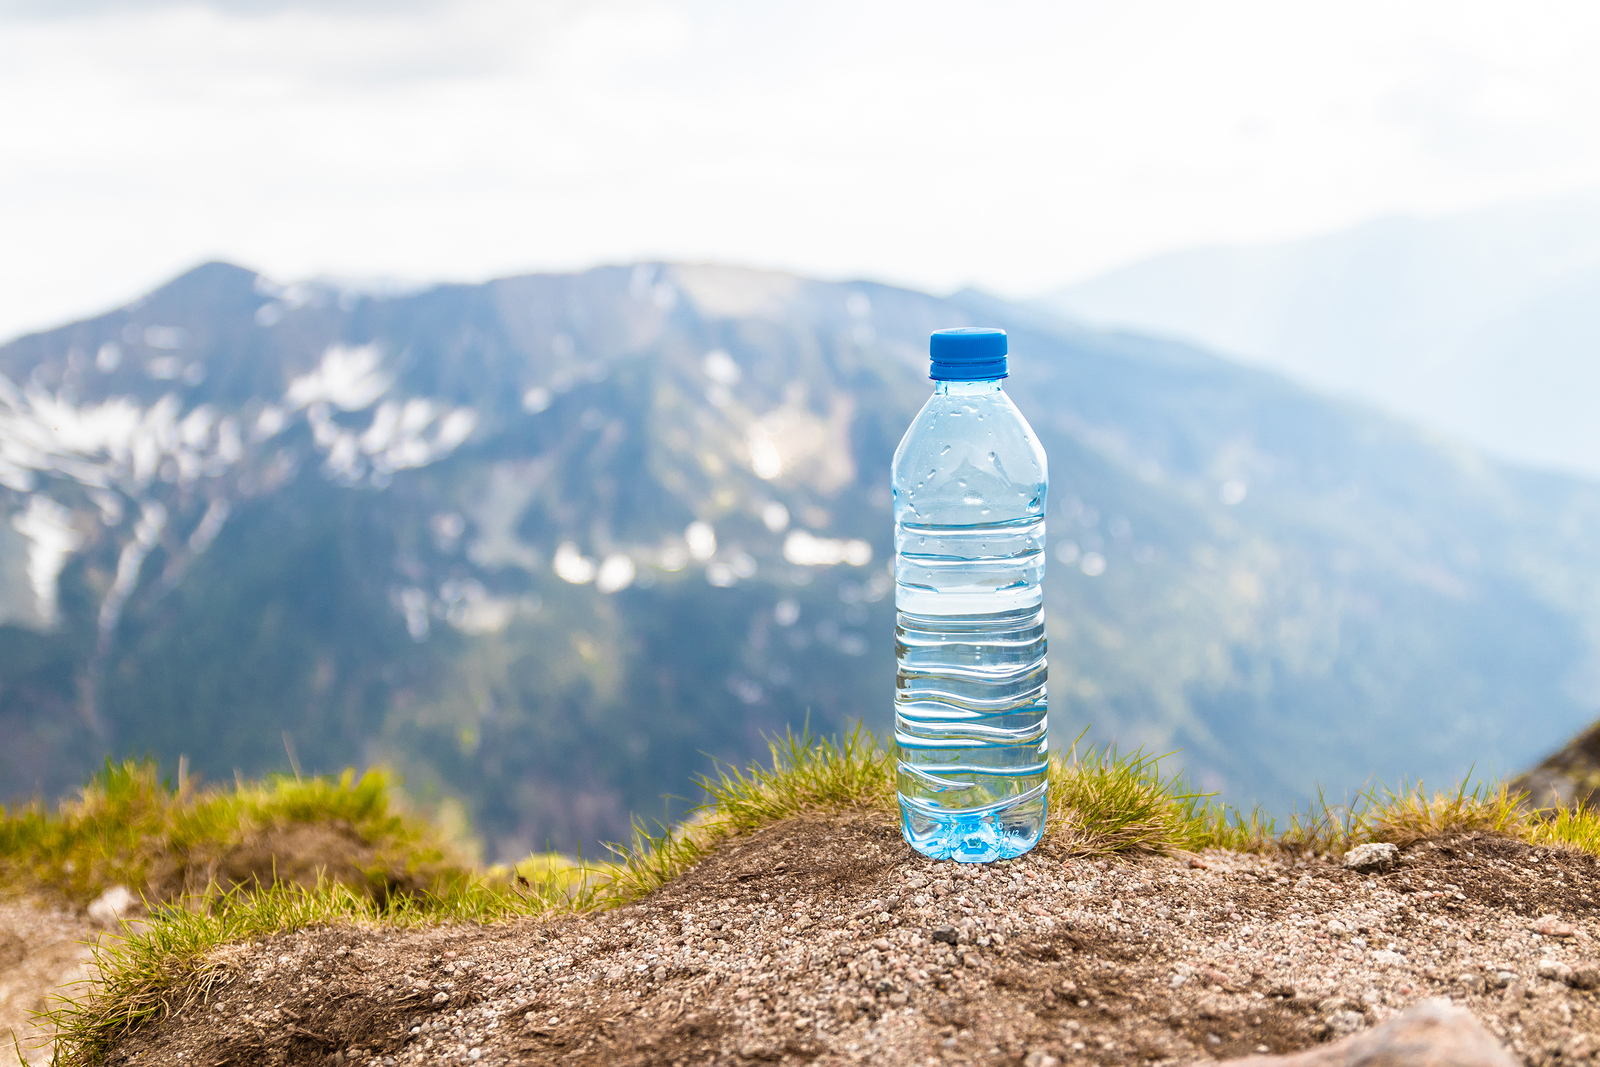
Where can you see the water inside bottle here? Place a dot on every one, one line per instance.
(970, 704)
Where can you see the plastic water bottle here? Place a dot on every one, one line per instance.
(970, 706)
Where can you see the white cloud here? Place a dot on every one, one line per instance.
(1049, 140)
(58, 10)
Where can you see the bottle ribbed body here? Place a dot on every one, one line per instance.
(970, 704)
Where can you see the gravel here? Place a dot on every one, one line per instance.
(43, 948)
(826, 941)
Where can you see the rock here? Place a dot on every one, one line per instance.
(1583, 976)
(1474, 982)
(1346, 1022)
(1553, 926)
(947, 934)
(1554, 970)
(1566, 779)
(112, 906)
(1375, 857)
(1430, 1034)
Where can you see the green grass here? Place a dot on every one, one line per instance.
(1575, 828)
(807, 774)
(1411, 813)
(1105, 801)
(128, 824)
(132, 827)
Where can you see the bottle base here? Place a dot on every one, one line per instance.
(981, 836)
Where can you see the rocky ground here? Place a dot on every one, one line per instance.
(826, 941)
(44, 951)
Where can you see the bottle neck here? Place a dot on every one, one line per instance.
(980, 388)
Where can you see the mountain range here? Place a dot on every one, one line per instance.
(1482, 324)
(550, 545)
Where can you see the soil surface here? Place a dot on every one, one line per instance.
(827, 941)
(44, 951)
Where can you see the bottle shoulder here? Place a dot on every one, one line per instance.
(991, 422)
(969, 460)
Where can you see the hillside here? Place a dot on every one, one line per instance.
(548, 544)
(825, 940)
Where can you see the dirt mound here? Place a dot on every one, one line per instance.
(300, 852)
(827, 941)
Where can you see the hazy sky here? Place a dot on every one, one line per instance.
(1014, 146)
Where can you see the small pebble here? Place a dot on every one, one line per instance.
(1376, 857)
(1553, 926)
(1583, 976)
(1555, 970)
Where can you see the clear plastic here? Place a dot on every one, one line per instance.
(970, 707)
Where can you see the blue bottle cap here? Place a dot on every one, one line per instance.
(968, 354)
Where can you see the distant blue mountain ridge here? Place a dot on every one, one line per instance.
(551, 544)
(1483, 325)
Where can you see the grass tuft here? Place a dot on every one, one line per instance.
(129, 826)
(1566, 827)
(1409, 814)
(1104, 801)
(808, 774)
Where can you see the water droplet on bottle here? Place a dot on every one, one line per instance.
(943, 450)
